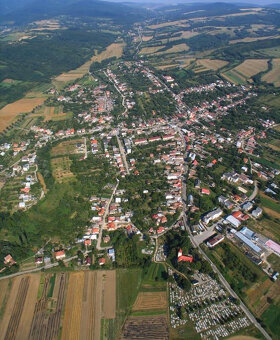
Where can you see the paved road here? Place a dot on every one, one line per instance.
(123, 154)
(255, 192)
(98, 246)
(48, 266)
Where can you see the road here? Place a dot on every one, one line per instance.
(48, 266)
(255, 192)
(98, 246)
(123, 154)
(215, 269)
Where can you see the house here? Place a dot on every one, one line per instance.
(247, 206)
(233, 221)
(111, 254)
(9, 260)
(88, 242)
(257, 212)
(160, 230)
(212, 215)
(101, 261)
(59, 255)
(184, 258)
(205, 191)
(39, 260)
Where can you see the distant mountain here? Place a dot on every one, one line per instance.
(24, 11)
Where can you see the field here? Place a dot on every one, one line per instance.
(258, 296)
(166, 24)
(211, 64)
(52, 113)
(270, 205)
(146, 327)
(150, 301)
(249, 39)
(10, 111)
(273, 76)
(61, 168)
(66, 148)
(234, 77)
(113, 50)
(175, 49)
(38, 306)
(18, 312)
(150, 50)
(251, 67)
(271, 318)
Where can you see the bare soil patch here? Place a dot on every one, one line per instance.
(146, 327)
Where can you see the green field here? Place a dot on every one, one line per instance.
(274, 260)
(271, 318)
(268, 202)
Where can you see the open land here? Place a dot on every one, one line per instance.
(10, 111)
(273, 76)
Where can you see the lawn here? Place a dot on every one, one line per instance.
(274, 261)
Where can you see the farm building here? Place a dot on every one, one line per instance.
(215, 240)
(273, 246)
(249, 243)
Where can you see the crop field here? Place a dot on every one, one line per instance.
(61, 168)
(150, 50)
(146, 327)
(166, 24)
(150, 301)
(113, 50)
(19, 309)
(211, 64)
(64, 306)
(273, 76)
(175, 49)
(249, 39)
(234, 77)
(73, 307)
(9, 112)
(251, 67)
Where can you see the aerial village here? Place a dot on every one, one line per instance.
(209, 179)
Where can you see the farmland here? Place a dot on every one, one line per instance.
(113, 50)
(246, 70)
(73, 302)
(146, 327)
(61, 168)
(211, 64)
(150, 301)
(273, 76)
(10, 111)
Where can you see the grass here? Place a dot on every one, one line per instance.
(148, 313)
(5, 300)
(52, 282)
(128, 285)
(274, 261)
(270, 203)
(234, 77)
(251, 331)
(271, 318)
(185, 332)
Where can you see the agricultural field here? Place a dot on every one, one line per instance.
(113, 50)
(175, 49)
(251, 39)
(211, 64)
(150, 301)
(270, 205)
(9, 112)
(169, 23)
(146, 327)
(47, 306)
(243, 72)
(273, 76)
(150, 50)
